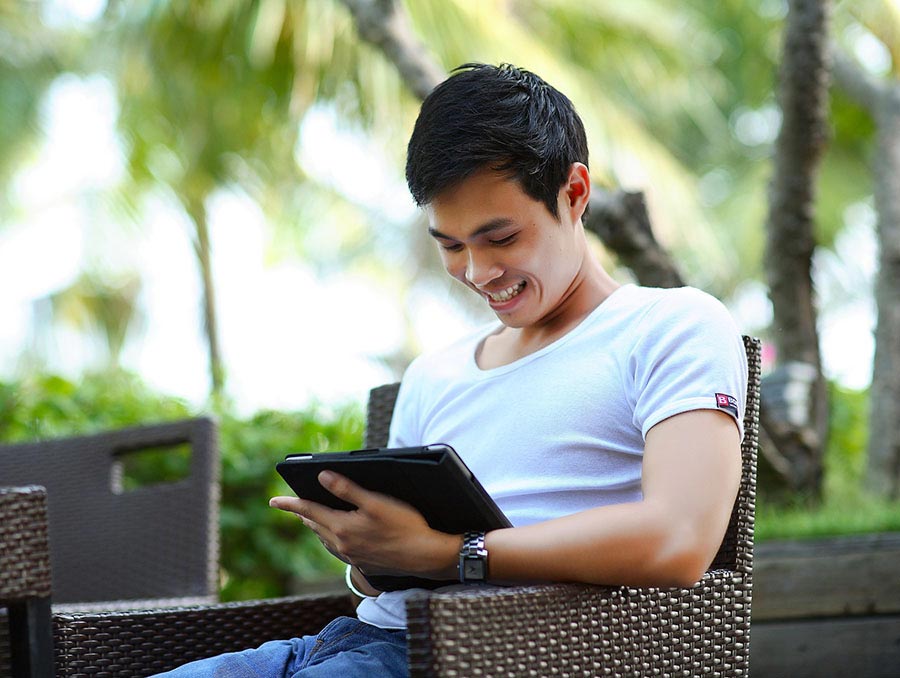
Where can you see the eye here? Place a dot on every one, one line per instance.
(451, 247)
(502, 242)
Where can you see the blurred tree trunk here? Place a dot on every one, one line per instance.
(882, 100)
(384, 24)
(196, 209)
(795, 413)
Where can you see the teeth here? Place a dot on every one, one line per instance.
(508, 293)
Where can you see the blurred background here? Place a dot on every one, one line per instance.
(202, 209)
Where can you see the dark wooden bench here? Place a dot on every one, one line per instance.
(827, 607)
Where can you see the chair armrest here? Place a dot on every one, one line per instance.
(574, 629)
(145, 642)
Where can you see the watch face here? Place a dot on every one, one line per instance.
(474, 569)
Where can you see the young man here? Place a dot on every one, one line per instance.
(605, 420)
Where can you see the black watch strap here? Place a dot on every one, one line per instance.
(473, 557)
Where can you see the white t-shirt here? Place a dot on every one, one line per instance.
(562, 430)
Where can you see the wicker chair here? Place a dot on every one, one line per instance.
(554, 629)
(109, 542)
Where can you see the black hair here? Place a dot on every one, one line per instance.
(502, 117)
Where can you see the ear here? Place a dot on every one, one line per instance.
(577, 191)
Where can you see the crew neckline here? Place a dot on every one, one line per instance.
(552, 346)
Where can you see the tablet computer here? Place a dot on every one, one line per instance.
(432, 478)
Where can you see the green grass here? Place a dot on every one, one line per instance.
(836, 516)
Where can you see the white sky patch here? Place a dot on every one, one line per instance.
(757, 127)
(715, 186)
(62, 13)
(751, 307)
(288, 336)
(306, 339)
(438, 319)
(30, 268)
(847, 343)
(82, 152)
(169, 351)
(40, 256)
(869, 50)
(844, 282)
(772, 9)
(353, 164)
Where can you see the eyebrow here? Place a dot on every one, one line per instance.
(488, 227)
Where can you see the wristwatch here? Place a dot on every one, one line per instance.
(473, 557)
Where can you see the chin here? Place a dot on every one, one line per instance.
(514, 323)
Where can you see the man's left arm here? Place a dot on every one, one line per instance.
(690, 478)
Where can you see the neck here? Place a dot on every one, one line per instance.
(590, 286)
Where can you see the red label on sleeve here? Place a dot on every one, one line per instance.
(727, 403)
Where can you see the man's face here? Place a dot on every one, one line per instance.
(507, 247)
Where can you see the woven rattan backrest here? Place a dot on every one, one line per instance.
(736, 551)
(157, 541)
(378, 414)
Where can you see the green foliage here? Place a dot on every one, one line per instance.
(47, 406)
(264, 552)
(151, 466)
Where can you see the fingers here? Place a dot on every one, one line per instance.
(319, 518)
(338, 485)
(344, 488)
(314, 516)
(292, 504)
(305, 509)
(326, 536)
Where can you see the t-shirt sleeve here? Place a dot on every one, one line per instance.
(689, 355)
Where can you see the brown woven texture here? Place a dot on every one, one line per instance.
(379, 412)
(147, 642)
(576, 630)
(156, 541)
(24, 554)
(24, 546)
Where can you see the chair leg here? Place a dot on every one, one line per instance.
(31, 638)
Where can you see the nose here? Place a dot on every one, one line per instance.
(481, 269)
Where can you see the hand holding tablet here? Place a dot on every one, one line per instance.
(433, 479)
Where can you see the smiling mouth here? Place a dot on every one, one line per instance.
(507, 294)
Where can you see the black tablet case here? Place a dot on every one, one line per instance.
(432, 478)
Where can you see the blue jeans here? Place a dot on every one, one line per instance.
(346, 647)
